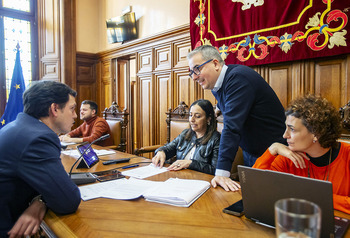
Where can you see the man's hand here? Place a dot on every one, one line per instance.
(296, 157)
(159, 159)
(67, 138)
(226, 183)
(28, 223)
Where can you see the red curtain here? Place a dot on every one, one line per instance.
(254, 32)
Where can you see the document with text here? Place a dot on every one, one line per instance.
(144, 172)
(177, 192)
(174, 191)
(123, 189)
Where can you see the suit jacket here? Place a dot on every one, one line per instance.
(30, 165)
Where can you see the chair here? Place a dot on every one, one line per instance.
(117, 121)
(177, 121)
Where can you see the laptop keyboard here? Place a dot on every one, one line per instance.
(340, 226)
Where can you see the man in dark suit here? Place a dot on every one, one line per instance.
(31, 171)
(253, 115)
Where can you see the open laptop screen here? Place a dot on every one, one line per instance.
(262, 188)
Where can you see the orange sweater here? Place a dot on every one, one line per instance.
(92, 129)
(339, 173)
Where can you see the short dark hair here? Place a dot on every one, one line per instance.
(207, 107)
(92, 104)
(319, 117)
(38, 98)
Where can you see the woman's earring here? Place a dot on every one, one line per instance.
(208, 123)
(314, 141)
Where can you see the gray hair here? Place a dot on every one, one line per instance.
(208, 52)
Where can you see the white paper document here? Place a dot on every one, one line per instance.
(67, 143)
(174, 191)
(76, 153)
(123, 189)
(144, 172)
(177, 192)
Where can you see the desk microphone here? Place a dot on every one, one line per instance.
(82, 178)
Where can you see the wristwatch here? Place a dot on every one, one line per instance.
(39, 199)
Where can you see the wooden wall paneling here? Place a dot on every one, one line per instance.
(180, 50)
(121, 82)
(162, 57)
(279, 78)
(330, 81)
(49, 38)
(346, 96)
(185, 89)
(106, 87)
(146, 111)
(86, 78)
(144, 62)
(164, 99)
(68, 42)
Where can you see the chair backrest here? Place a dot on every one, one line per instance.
(177, 121)
(117, 121)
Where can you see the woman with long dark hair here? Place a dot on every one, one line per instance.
(197, 147)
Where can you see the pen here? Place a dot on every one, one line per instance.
(130, 166)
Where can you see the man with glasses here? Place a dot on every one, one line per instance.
(253, 115)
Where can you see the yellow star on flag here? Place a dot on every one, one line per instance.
(17, 86)
(3, 122)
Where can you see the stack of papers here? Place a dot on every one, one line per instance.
(176, 192)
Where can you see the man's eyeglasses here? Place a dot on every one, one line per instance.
(196, 69)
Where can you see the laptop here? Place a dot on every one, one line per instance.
(262, 188)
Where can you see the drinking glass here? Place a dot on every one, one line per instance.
(297, 218)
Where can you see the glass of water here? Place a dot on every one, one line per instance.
(297, 218)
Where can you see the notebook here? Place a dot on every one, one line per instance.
(262, 188)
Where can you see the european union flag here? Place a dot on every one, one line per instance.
(15, 102)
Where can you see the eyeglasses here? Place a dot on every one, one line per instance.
(196, 69)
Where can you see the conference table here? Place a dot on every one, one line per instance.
(139, 218)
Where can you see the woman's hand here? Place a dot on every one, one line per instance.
(159, 159)
(180, 164)
(296, 157)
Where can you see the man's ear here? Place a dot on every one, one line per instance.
(94, 112)
(54, 109)
(217, 64)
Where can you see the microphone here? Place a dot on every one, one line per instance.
(82, 178)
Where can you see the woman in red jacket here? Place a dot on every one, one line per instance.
(312, 129)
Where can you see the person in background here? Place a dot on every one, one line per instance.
(93, 127)
(195, 148)
(31, 171)
(253, 115)
(313, 127)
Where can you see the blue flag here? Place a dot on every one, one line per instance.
(15, 102)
